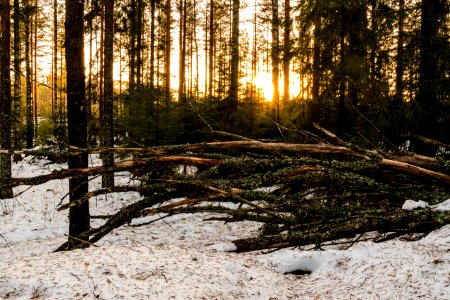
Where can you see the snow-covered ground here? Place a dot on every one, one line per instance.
(183, 257)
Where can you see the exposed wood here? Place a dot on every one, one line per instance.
(415, 170)
(116, 167)
(283, 147)
(414, 159)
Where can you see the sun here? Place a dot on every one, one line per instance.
(263, 83)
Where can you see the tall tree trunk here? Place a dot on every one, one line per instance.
(35, 92)
(79, 219)
(29, 100)
(168, 46)
(357, 52)
(287, 50)
(55, 67)
(17, 71)
(428, 69)
(139, 25)
(398, 99)
(152, 43)
(211, 49)
(234, 75)
(316, 57)
(132, 49)
(5, 100)
(275, 59)
(182, 53)
(101, 72)
(108, 103)
(342, 74)
(254, 52)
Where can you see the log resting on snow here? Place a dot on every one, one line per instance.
(116, 167)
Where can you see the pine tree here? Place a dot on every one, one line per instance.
(79, 218)
(5, 100)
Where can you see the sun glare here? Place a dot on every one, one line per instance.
(263, 83)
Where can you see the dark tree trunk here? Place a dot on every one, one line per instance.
(234, 75)
(274, 53)
(182, 55)
(55, 66)
(35, 91)
(139, 24)
(168, 46)
(29, 100)
(108, 101)
(152, 43)
(17, 71)
(132, 49)
(398, 99)
(342, 75)
(76, 109)
(211, 49)
(316, 57)
(5, 101)
(427, 98)
(287, 50)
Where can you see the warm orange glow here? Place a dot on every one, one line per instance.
(263, 83)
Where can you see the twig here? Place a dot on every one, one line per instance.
(376, 128)
(6, 241)
(80, 240)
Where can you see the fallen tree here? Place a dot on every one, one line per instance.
(302, 194)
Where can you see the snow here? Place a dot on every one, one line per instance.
(186, 257)
(411, 205)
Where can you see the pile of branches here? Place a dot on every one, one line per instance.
(302, 194)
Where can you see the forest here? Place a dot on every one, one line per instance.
(344, 105)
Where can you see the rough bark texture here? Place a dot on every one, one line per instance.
(234, 75)
(287, 49)
(16, 105)
(5, 100)
(108, 101)
(79, 219)
(318, 192)
(274, 53)
(29, 104)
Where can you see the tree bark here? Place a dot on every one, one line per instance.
(17, 93)
(108, 101)
(287, 50)
(211, 50)
(5, 101)
(79, 218)
(274, 53)
(168, 45)
(29, 100)
(316, 56)
(152, 44)
(234, 75)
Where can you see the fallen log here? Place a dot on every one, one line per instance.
(415, 170)
(280, 147)
(116, 167)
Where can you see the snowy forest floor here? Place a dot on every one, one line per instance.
(184, 257)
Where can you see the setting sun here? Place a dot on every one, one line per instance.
(263, 83)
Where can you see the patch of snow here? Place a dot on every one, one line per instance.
(267, 189)
(185, 257)
(411, 204)
(443, 206)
